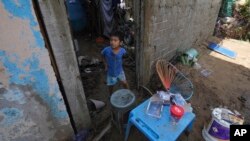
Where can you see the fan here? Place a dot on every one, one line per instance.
(173, 80)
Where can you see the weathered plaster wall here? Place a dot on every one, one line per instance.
(31, 104)
(58, 30)
(172, 25)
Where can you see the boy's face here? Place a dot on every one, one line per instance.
(115, 42)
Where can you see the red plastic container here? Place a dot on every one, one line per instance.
(176, 113)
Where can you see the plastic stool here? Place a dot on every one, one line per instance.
(158, 129)
(122, 101)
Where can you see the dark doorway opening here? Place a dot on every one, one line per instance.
(91, 23)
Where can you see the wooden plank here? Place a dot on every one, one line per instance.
(57, 26)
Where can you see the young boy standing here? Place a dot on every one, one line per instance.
(112, 57)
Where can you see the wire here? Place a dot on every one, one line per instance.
(146, 89)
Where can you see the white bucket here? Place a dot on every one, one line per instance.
(206, 136)
(217, 129)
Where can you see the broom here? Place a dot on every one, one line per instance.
(167, 72)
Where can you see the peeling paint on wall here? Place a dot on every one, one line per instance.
(28, 70)
(23, 9)
(15, 95)
(35, 77)
(31, 104)
(10, 116)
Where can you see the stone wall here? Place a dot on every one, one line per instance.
(31, 104)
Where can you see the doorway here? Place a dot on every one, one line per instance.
(89, 36)
(91, 25)
(92, 22)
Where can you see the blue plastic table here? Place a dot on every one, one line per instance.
(158, 129)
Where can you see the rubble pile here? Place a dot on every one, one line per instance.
(237, 26)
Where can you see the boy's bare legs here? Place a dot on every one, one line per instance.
(125, 84)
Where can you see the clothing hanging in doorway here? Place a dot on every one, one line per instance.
(107, 15)
(94, 18)
(115, 3)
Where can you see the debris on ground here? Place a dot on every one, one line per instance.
(242, 99)
(94, 105)
(206, 72)
(86, 61)
(90, 70)
(197, 66)
(234, 20)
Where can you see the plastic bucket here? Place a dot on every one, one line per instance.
(122, 99)
(217, 128)
(206, 136)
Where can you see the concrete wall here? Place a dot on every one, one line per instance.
(172, 25)
(56, 23)
(31, 104)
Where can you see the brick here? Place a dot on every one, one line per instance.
(179, 24)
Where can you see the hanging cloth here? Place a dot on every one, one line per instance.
(107, 16)
(115, 3)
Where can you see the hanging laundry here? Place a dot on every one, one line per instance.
(122, 4)
(107, 16)
(93, 21)
(115, 3)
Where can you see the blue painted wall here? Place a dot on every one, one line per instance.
(30, 99)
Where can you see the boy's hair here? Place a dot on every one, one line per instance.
(117, 34)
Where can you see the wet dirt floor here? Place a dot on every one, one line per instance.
(227, 86)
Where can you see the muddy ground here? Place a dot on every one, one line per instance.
(227, 86)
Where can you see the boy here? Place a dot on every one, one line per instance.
(112, 58)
